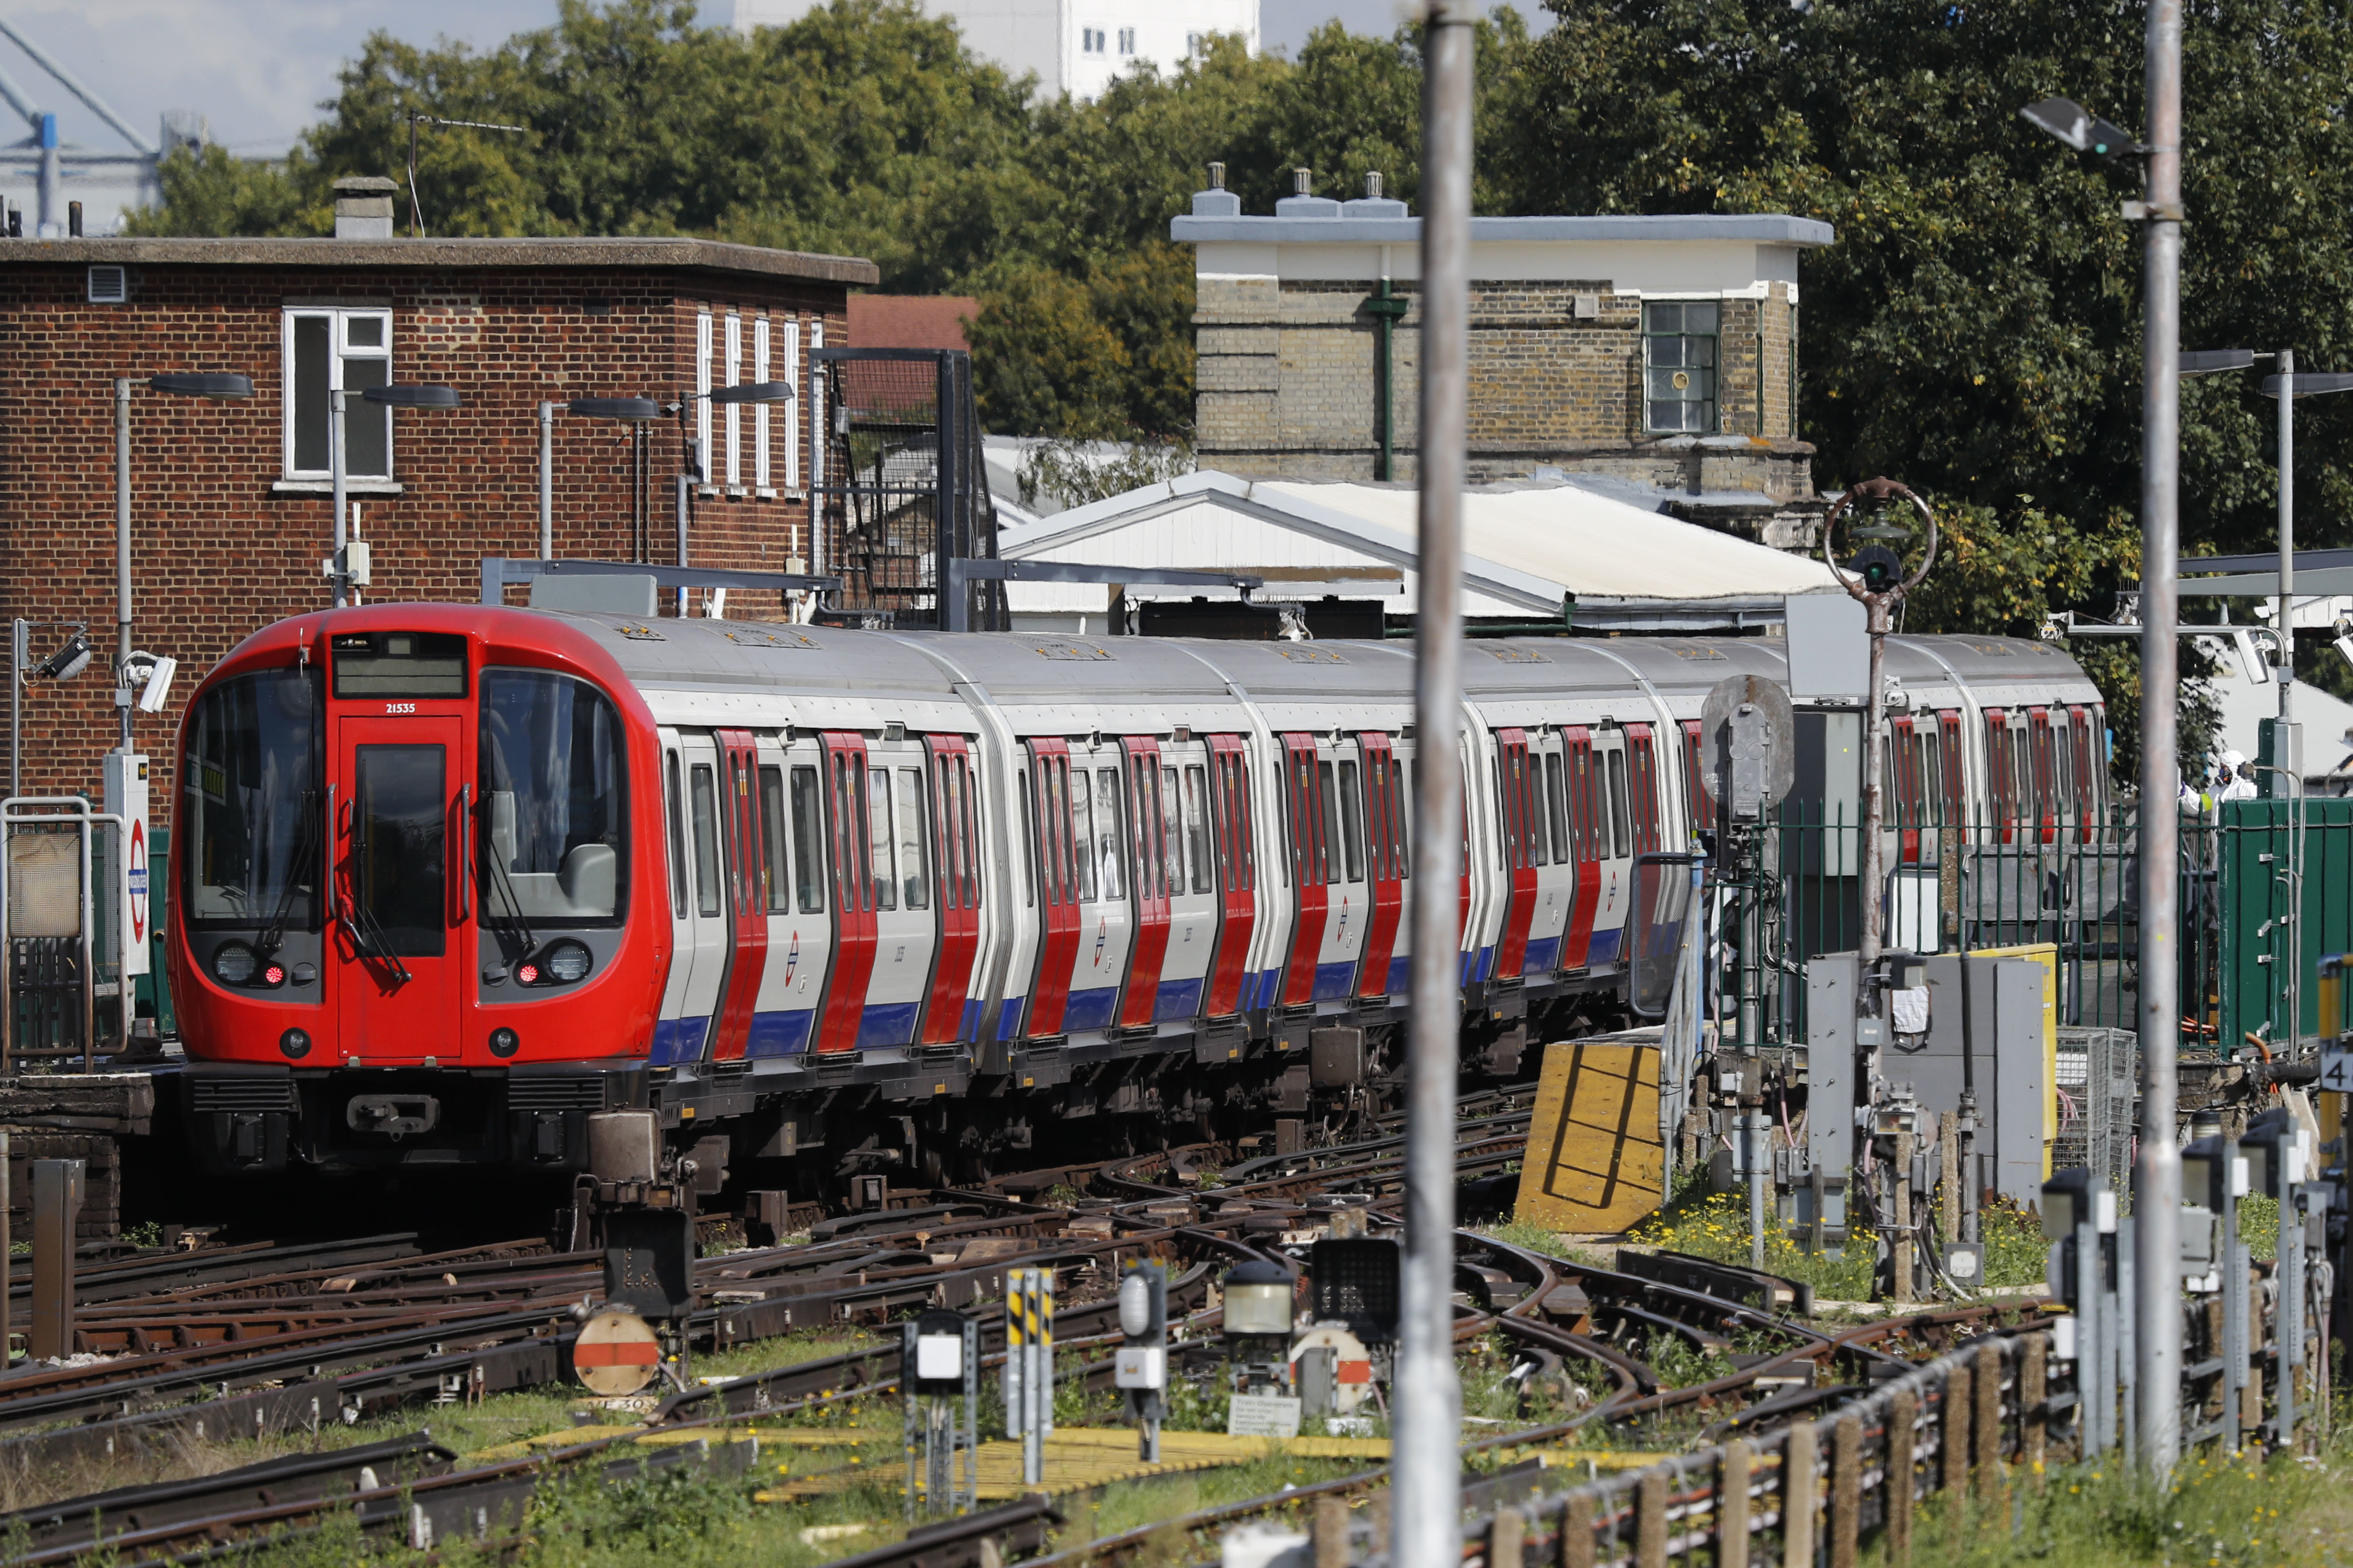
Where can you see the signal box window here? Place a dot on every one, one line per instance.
(1679, 366)
(326, 350)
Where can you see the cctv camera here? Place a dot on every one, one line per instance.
(67, 661)
(157, 687)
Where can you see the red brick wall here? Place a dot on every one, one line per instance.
(216, 552)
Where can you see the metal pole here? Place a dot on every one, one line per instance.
(2285, 620)
(336, 460)
(547, 481)
(1429, 1418)
(122, 558)
(17, 707)
(685, 500)
(2157, 1209)
(1876, 625)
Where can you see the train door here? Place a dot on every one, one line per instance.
(1555, 868)
(1348, 908)
(1309, 839)
(1515, 807)
(792, 898)
(399, 900)
(1645, 799)
(1386, 866)
(2089, 772)
(1588, 810)
(1903, 801)
(1193, 898)
(848, 842)
(1614, 822)
(1105, 928)
(1054, 856)
(899, 859)
(705, 932)
(2003, 798)
(1696, 800)
(739, 807)
(1233, 836)
(954, 802)
(2047, 770)
(1147, 879)
(672, 1026)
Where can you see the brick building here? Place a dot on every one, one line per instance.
(231, 514)
(1654, 358)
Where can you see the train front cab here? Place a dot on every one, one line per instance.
(403, 936)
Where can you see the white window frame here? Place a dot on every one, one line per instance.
(817, 449)
(761, 483)
(793, 425)
(338, 351)
(703, 397)
(734, 340)
(1126, 42)
(1093, 41)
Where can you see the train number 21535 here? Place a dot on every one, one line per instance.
(400, 707)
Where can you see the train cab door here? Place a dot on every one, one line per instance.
(1055, 857)
(898, 858)
(705, 930)
(1233, 838)
(1515, 812)
(1340, 779)
(793, 894)
(849, 844)
(1581, 771)
(1185, 791)
(954, 802)
(1310, 846)
(747, 916)
(401, 895)
(1148, 867)
(1381, 973)
(1614, 838)
(1099, 966)
(1555, 868)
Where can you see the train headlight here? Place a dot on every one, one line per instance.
(295, 1044)
(567, 961)
(504, 1042)
(233, 964)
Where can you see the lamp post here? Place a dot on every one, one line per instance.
(635, 412)
(220, 386)
(424, 395)
(689, 472)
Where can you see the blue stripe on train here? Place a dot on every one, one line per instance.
(780, 1034)
(1544, 957)
(889, 1024)
(1605, 947)
(1335, 981)
(1093, 1009)
(1008, 1017)
(677, 1040)
(1400, 975)
(970, 1028)
(1177, 999)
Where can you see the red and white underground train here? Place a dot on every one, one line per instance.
(448, 879)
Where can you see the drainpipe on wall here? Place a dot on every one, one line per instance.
(1384, 309)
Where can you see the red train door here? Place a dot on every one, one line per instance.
(844, 1007)
(1385, 852)
(402, 887)
(1147, 835)
(1058, 884)
(955, 863)
(1311, 865)
(2045, 771)
(1701, 804)
(1642, 766)
(1519, 804)
(740, 767)
(2000, 784)
(1584, 836)
(2087, 777)
(1904, 805)
(1229, 820)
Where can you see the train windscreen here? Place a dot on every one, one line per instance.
(554, 821)
(250, 812)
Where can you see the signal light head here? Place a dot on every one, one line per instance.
(1879, 567)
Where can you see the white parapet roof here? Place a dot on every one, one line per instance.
(1527, 547)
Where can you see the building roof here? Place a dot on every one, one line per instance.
(691, 254)
(911, 320)
(1528, 547)
(1341, 226)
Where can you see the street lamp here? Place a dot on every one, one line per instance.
(423, 395)
(635, 412)
(691, 466)
(217, 386)
(2157, 1213)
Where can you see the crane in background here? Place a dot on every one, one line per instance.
(51, 163)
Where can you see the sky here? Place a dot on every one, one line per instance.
(257, 70)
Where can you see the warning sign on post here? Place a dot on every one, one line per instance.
(1263, 1416)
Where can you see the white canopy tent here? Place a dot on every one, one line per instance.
(1530, 549)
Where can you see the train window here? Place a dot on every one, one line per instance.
(398, 860)
(878, 838)
(1556, 803)
(1172, 833)
(1642, 792)
(809, 842)
(1107, 830)
(1197, 835)
(709, 897)
(251, 803)
(676, 843)
(1028, 846)
(1352, 823)
(968, 856)
(399, 664)
(1082, 831)
(915, 867)
(1617, 787)
(1398, 821)
(1327, 862)
(1539, 825)
(1245, 827)
(554, 763)
(775, 873)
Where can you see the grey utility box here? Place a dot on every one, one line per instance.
(1992, 1030)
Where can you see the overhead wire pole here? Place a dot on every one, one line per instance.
(2157, 1208)
(1428, 1511)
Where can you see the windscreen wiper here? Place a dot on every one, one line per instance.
(273, 935)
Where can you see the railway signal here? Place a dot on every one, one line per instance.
(1140, 1368)
(939, 1363)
